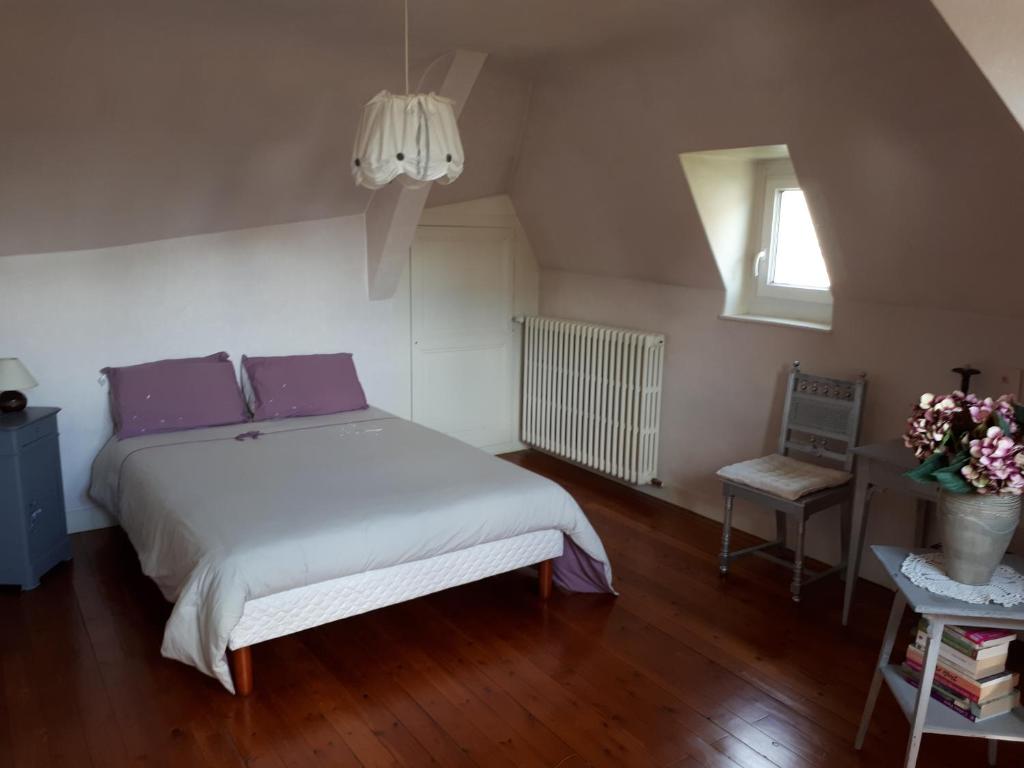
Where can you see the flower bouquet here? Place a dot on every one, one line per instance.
(974, 449)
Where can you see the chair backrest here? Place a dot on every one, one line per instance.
(822, 417)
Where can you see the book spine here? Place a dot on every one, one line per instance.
(967, 648)
(980, 636)
(967, 714)
(975, 651)
(952, 682)
(940, 689)
(961, 644)
(979, 709)
(972, 667)
(990, 687)
(949, 671)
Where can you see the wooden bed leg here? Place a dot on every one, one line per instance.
(240, 660)
(544, 573)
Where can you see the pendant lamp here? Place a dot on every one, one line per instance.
(412, 137)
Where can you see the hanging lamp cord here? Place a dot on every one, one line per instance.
(406, 3)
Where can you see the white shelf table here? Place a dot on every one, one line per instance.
(924, 713)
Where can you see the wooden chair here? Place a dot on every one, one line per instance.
(821, 419)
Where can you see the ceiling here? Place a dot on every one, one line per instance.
(522, 30)
(135, 120)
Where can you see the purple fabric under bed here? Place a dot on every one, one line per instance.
(576, 571)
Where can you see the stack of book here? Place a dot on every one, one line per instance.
(971, 676)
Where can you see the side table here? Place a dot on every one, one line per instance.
(880, 467)
(925, 714)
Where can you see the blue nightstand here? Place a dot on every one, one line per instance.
(33, 527)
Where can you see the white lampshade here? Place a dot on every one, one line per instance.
(414, 138)
(14, 375)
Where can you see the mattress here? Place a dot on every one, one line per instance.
(225, 517)
(293, 610)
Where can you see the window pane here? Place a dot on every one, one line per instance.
(798, 260)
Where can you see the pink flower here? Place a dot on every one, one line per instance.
(931, 422)
(996, 463)
(981, 410)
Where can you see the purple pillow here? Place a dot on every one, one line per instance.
(303, 385)
(171, 395)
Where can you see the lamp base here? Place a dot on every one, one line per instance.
(12, 402)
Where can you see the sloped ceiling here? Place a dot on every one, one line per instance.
(913, 165)
(134, 120)
(993, 33)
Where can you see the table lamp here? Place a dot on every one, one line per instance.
(14, 376)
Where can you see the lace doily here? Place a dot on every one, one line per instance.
(927, 572)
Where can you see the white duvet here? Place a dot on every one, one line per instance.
(219, 516)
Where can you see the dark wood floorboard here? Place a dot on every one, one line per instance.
(682, 670)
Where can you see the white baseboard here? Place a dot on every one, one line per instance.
(88, 518)
(674, 495)
(510, 447)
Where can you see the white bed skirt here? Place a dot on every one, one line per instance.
(297, 609)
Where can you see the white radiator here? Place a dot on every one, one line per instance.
(592, 394)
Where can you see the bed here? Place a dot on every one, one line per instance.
(258, 530)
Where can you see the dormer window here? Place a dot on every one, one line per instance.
(762, 233)
(789, 273)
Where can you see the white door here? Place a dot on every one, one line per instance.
(463, 356)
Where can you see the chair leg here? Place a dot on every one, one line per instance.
(723, 558)
(798, 559)
(845, 524)
(780, 527)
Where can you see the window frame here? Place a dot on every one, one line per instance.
(779, 177)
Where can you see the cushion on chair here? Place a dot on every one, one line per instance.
(783, 476)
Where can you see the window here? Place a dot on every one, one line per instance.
(762, 235)
(795, 259)
(789, 264)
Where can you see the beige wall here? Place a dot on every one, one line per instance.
(911, 162)
(723, 379)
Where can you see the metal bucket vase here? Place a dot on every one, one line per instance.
(976, 530)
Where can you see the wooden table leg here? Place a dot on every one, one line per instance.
(545, 574)
(240, 661)
(931, 658)
(899, 603)
(858, 525)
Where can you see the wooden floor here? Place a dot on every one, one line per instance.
(682, 669)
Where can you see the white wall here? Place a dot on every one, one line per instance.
(724, 381)
(294, 288)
